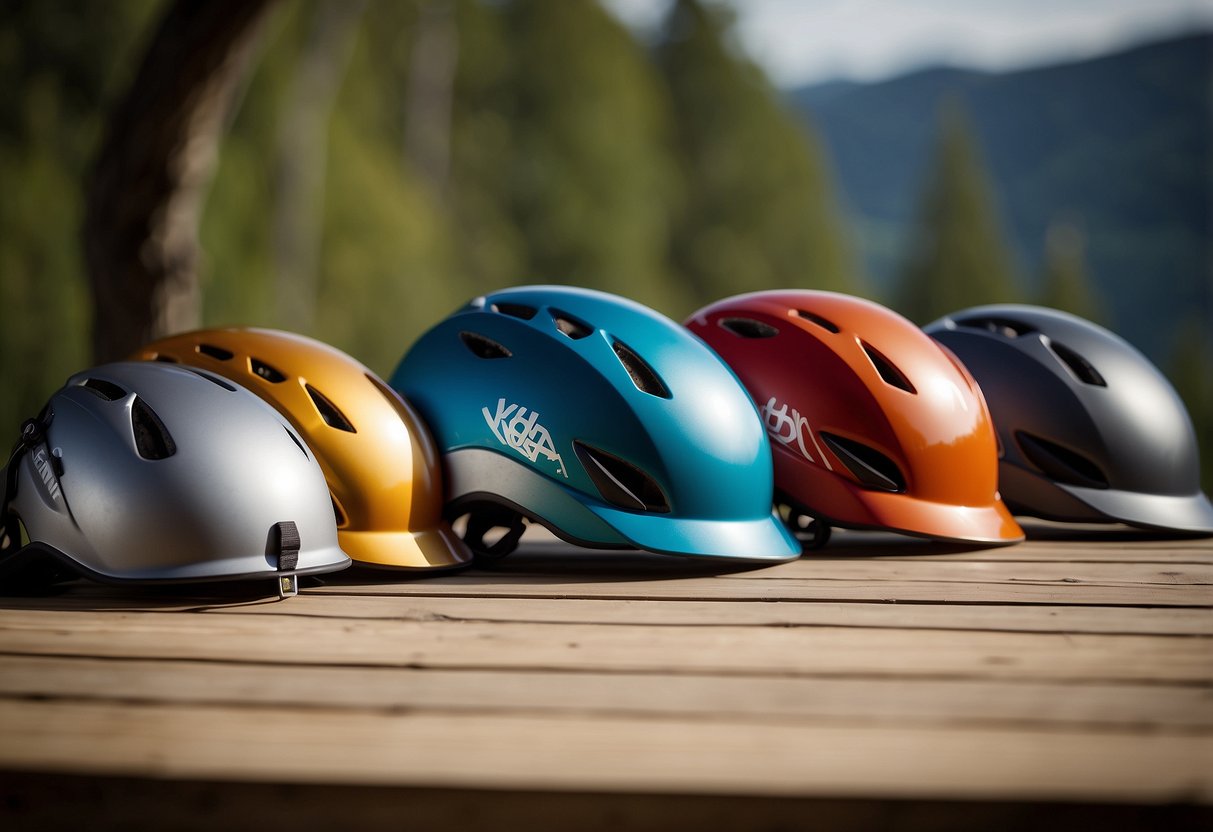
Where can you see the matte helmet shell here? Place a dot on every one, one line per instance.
(1090, 429)
(600, 418)
(168, 474)
(873, 425)
(378, 457)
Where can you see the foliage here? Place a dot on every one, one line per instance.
(1065, 284)
(756, 209)
(957, 257)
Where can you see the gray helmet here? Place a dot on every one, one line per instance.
(1089, 429)
(154, 472)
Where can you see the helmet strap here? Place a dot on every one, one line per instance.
(484, 519)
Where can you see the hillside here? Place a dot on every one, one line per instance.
(1119, 144)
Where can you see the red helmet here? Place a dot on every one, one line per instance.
(873, 424)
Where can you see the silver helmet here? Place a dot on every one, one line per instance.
(153, 472)
(1089, 429)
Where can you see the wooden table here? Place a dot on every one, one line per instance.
(884, 682)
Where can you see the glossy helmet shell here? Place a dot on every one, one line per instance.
(873, 425)
(600, 418)
(378, 457)
(169, 474)
(1090, 429)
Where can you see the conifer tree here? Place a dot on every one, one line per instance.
(958, 255)
(1065, 284)
(590, 175)
(757, 211)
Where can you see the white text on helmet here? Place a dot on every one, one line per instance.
(512, 427)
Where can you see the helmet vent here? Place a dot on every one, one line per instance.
(338, 514)
(515, 310)
(1060, 463)
(1006, 327)
(218, 353)
(872, 468)
(824, 323)
(1079, 366)
(295, 439)
(748, 328)
(265, 371)
(621, 483)
(152, 439)
(483, 347)
(643, 376)
(332, 417)
(215, 380)
(571, 326)
(105, 389)
(167, 359)
(887, 369)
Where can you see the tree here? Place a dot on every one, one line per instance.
(589, 175)
(1065, 284)
(958, 256)
(1191, 358)
(147, 187)
(756, 208)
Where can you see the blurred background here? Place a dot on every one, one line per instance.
(366, 166)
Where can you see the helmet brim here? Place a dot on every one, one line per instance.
(437, 548)
(763, 539)
(1164, 512)
(992, 524)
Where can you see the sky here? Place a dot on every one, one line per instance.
(807, 41)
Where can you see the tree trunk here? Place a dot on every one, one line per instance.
(302, 159)
(430, 95)
(146, 191)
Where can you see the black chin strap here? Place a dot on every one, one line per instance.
(486, 518)
(33, 433)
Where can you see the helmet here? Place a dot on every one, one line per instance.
(1090, 430)
(598, 417)
(874, 425)
(149, 472)
(378, 457)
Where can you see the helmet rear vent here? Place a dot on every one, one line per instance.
(483, 347)
(872, 468)
(643, 376)
(621, 483)
(1006, 327)
(1079, 366)
(295, 439)
(105, 389)
(571, 326)
(215, 380)
(265, 371)
(338, 514)
(218, 353)
(332, 417)
(152, 439)
(515, 310)
(887, 369)
(748, 328)
(824, 323)
(1060, 463)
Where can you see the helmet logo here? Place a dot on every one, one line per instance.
(513, 428)
(50, 483)
(787, 429)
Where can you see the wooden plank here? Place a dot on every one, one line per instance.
(763, 650)
(902, 701)
(691, 756)
(1052, 619)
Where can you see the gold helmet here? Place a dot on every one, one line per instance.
(381, 464)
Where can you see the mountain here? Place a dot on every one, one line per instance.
(1119, 145)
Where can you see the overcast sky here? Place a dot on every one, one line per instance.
(805, 41)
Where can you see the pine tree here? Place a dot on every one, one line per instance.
(1065, 284)
(590, 174)
(958, 256)
(757, 211)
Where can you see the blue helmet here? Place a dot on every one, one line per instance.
(599, 418)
